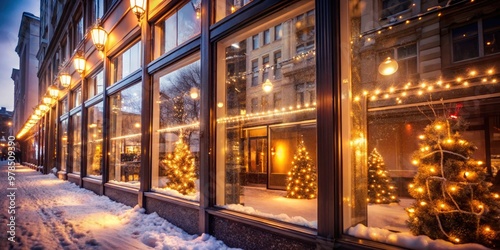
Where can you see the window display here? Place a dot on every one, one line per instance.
(76, 142)
(64, 144)
(266, 130)
(125, 136)
(94, 141)
(419, 129)
(176, 126)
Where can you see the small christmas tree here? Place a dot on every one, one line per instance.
(453, 201)
(381, 189)
(181, 170)
(301, 181)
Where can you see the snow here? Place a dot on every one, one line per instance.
(56, 214)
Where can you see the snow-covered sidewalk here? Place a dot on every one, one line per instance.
(54, 214)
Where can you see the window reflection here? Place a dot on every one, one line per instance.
(266, 120)
(64, 144)
(126, 63)
(125, 136)
(76, 142)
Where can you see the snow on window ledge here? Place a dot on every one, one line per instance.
(297, 220)
(406, 239)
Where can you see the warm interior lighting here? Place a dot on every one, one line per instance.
(388, 67)
(79, 63)
(99, 36)
(267, 86)
(65, 79)
(138, 8)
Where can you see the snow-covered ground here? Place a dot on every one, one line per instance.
(55, 214)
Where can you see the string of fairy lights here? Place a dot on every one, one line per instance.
(399, 93)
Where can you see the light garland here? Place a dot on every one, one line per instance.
(399, 93)
(268, 114)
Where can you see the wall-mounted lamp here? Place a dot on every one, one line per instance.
(43, 107)
(65, 79)
(79, 63)
(388, 67)
(267, 86)
(99, 36)
(53, 92)
(38, 112)
(47, 100)
(138, 8)
(194, 93)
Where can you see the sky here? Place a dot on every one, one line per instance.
(10, 20)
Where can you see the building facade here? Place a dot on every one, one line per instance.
(281, 124)
(26, 85)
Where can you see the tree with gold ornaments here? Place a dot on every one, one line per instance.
(180, 168)
(301, 180)
(381, 188)
(453, 200)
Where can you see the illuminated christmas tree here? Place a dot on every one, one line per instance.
(301, 180)
(453, 200)
(181, 170)
(381, 189)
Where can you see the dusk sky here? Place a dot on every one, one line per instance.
(10, 20)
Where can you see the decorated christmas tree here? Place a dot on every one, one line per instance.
(181, 170)
(381, 189)
(301, 180)
(453, 200)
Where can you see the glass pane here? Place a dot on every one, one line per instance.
(225, 8)
(491, 27)
(127, 62)
(94, 141)
(125, 136)
(178, 28)
(176, 129)
(419, 155)
(76, 143)
(96, 84)
(266, 137)
(64, 144)
(64, 106)
(77, 97)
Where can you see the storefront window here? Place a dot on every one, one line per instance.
(126, 63)
(64, 144)
(76, 143)
(266, 130)
(421, 133)
(178, 28)
(176, 126)
(125, 136)
(227, 7)
(94, 141)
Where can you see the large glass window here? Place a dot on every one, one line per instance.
(95, 84)
(77, 97)
(126, 63)
(76, 143)
(94, 141)
(266, 142)
(176, 139)
(64, 144)
(125, 136)
(178, 28)
(420, 150)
